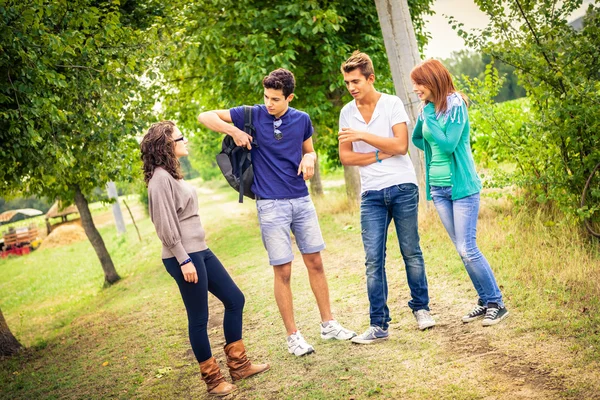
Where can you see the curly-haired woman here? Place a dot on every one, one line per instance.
(173, 206)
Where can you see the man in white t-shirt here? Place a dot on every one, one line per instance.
(374, 136)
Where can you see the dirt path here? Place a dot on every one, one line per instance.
(451, 361)
(508, 361)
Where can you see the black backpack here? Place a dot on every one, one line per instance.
(235, 162)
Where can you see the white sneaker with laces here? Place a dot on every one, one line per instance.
(333, 330)
(424, 319)
(373, 334)
(297, 345)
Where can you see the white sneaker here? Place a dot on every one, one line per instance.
(333, 330)
(424, 319)
(372, 335)
(298, 346)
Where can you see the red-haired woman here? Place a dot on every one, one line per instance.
(173, 206)
(442, 131)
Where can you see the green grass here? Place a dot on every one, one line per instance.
(130, 340)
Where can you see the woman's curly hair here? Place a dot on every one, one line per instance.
(158, 150)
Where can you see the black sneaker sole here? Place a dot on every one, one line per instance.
(491, 322)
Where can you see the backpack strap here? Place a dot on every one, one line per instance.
(241, 164)
(250, 130)
(248, 126)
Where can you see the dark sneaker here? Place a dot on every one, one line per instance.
(372, 335)
(494, 314)
(478, 312)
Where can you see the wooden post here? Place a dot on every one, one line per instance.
(353, 187)
(111, 188)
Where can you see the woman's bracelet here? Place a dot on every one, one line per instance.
(189, 260)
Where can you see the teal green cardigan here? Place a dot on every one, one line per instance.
(454, 141)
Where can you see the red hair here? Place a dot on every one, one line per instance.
(434, 76)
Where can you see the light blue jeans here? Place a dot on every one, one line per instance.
(460, 220)
(278, 217)
(378, 208)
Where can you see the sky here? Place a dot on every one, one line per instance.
(444, 39)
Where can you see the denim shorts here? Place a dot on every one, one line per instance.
(278, 217)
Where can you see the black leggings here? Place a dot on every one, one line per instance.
(212, 277)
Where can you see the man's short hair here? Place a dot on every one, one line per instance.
(280, 79)
(359, 61)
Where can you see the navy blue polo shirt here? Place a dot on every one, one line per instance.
(275, 161)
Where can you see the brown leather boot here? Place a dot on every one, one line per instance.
(215, 383)
(239, 365)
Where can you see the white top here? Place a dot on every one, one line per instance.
(396, 170)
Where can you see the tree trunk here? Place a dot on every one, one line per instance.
(316, 186)
(403, 54)
(352, 178)
(9, 345)
(110, 273)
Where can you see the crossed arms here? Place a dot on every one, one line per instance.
(388, 147)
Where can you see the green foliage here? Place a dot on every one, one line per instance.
(498, 130)
(142, 191)
(418, 10)
(557, 147)
(472, 64)
(204, 147)
(73, 94)
(226, 47)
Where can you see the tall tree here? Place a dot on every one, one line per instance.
(558, 66)
(9, 345)
(74, 93)
(403, 54)
(228, 46)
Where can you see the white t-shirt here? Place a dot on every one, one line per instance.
(396, 170)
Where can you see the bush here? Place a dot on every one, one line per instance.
(553, 138)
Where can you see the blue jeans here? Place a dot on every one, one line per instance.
(460, 220)
(278, 217)
(377, 209)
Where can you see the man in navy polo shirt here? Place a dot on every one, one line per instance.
(283, 160)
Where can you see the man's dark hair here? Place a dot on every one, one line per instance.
(280, 79)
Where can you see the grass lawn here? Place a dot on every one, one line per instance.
(130, 340)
